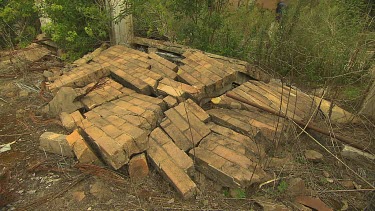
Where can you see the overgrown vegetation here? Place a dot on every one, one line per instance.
(315, 41)
(19, 23)
(77, 26)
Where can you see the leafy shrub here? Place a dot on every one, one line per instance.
(315, 41)
(77, 26)
(19, 23)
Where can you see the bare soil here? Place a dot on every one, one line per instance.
(31, 179)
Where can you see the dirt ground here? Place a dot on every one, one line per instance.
(31, 179)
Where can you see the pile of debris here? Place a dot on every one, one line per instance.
(127, 109)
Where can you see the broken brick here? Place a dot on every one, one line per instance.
(138, 167)
(55, 143)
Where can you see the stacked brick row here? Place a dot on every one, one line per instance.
(185, 124)
(178, 90)
(289, 101)
(80, 76)
(135, 69)
(249, 123)
(230, 158)
(206, 74)
(173, 163)
(120, 128)
(104, 91)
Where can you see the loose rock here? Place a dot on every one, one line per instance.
(313, 155)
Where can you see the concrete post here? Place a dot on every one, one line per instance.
(368, 106)
(122, 28)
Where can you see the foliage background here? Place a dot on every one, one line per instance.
(315, 43)
(19, 23)
(77, 26)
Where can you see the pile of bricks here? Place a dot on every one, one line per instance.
(273, 96)
(206, 74)
(140, 108)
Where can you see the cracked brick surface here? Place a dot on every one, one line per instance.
(206, 74)
(185, 125)
(173, 163)
(132, 68)
(120, 128)
(292, 102)
(232, 159)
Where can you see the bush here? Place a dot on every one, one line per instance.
(77, 26)
(19, 23)
(315, 41)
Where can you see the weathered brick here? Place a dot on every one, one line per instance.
(67, 121)
(177, 155)
(55, 143)
(177, 119)
(170, 101)
(159, 136)
(234, 157)
(233, 136)
(112, 131)
(177, 177)
(163, 61)
(112, 152)
(192, 119)
(138, 167)
(177, 136)
(81, 149)
(246, 122)
(77, 117)
(115, 120)
(197, 110)
(210, 165)
(128, 144)
(176, 89)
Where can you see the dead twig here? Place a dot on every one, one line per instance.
(98, 171)
(350, 190)
(17, 134)
(4, 100)
(50, 197)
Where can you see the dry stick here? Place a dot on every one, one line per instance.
(312, 115)
(298, 123)
(346, 140)
(17, 134)
(48, 198)
(351, 190)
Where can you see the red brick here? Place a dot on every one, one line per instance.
(138, 167)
